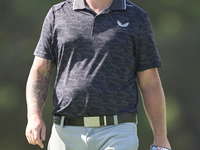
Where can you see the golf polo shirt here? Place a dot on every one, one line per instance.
(97, 56)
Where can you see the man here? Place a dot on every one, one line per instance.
(101, 50)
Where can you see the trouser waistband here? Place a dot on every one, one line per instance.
(95, 121)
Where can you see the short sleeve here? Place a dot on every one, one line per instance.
(44, 46)
(147, 55)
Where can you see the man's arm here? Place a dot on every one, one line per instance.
(36, 93)
(154, 104)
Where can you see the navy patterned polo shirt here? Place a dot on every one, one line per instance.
(97, 56)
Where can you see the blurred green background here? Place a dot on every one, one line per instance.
(176, 27)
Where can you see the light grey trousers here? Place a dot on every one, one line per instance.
(115, 137)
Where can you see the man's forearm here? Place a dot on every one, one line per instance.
(37, 88)
(36, 93)
(154, 103)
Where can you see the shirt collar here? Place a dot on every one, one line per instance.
(116, 5)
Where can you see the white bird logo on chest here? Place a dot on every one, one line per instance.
(122, 25)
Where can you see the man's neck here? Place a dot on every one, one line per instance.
(99, 5)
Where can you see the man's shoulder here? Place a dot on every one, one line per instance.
(60, 5)
(134, 8)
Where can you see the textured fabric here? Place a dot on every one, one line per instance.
(97, 56)
(116, 137)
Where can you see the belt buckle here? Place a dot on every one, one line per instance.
(95, 121)
(91, 121)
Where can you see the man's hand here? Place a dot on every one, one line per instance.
(36, 131)
(161, 141)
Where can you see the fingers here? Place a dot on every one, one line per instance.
(30, 140)
(43, 133)
(35, 136)
(38, 140)
(40, 144)
(35, 139)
